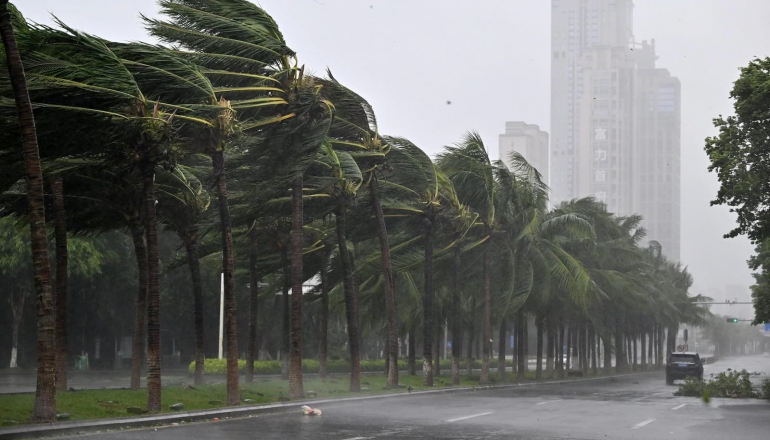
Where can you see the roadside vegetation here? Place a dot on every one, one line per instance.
(730, 383)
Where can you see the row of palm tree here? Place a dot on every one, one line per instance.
(306, 188)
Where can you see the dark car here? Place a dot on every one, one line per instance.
(682, 365)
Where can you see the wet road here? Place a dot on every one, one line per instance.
(637, 407)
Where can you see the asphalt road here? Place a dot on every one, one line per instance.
(638, 407)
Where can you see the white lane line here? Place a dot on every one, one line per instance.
(644, 423)
(357, 438)
(470, 417)
(549, 401)
(678, 407)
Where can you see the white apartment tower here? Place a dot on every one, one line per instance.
(529, 141)
(614, 117)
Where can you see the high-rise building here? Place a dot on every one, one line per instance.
(657, 168)
(614, 117)
(529, 141)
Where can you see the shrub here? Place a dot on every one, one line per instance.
(336, 366)
(766, 389)
(726, 384)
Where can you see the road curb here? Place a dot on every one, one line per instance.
(100, 425)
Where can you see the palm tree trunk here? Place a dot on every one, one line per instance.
(427, 307)
(412, 361)
(251, 346)
(385, 354)
(193, 262)
(661, 355)
(437, 350)
(137, 349)
(650, 349)
(560, 351)
(471, 337)
(515, 351)
(153, 288)
(45, 394)
(390, 296)
(521, 351)
(487, 321)
(501, 351)
(551, 352)
(607, 341)
(350, 307)
(629, 353)
(619, 367)
(228, 264)
(583, 344)
(60, 230)
(17, 306)
(643, 343)
(296, 388)
(540, 330)
(570, 337)
(285, 310)
(594, 346)
(457, 318)
(323, 349)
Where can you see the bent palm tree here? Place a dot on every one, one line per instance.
(45, 395)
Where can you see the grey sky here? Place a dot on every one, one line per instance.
(490, 58)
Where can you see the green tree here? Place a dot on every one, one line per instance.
(738, 153)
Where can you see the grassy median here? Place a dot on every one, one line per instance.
(110, 403)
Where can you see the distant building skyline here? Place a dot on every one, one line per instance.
(615, 118)
(529, 141)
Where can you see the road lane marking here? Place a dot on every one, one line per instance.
(470, 417)
(644, 423)
(357, 438)
(678, 407)
(549, 401)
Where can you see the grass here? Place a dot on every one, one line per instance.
(106, 403)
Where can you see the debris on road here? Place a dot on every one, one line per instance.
(308, 411)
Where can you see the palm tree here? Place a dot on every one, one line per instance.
(60, 230)
(339, 180)
(243, 52)
(45, 395)
(137, 130)
(473, 174)
(182, 202)
(355, 130)
(418, 192)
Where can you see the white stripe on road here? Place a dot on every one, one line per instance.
(549, 401)
(357, 438)
(644, 423)
(470, 417)
(678, 407)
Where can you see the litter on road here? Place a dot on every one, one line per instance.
(308, 411)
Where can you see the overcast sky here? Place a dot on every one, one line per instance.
(490, 58)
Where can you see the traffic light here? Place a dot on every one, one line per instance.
(732, 319)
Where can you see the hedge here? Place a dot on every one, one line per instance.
(219, 366)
